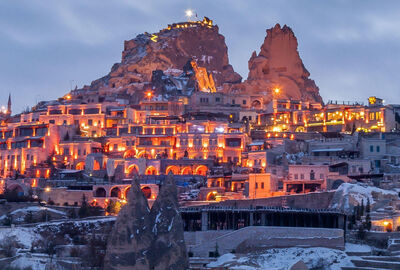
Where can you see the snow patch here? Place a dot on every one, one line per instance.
(274, 259)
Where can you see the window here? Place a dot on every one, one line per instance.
(92, 111)
(378, 148)
(312, 175)
(296, 176)
(371, 148)
(217, 99)
(233, 102)
(321, 176)
(301, 176)
(244, 102)
(256, 185)
(371, 116)
(262, 185)
(90, 122)
(115, 147)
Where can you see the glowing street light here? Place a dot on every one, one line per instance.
(277, 90)
(189, 13)
(149, 94)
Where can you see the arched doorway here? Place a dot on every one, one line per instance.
(151, 171)
(186, 170)
(256, 104)
(172, 168)
(132, 171)
(131, 153)
(127, 190)
(201, 170)
(211, 196)
(147, 192)
(96, 165)
(100, 192)
(80, 165)
(141, 154)
(115, 192)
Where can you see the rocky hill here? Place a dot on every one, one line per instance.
(278, 66)
(168, 51)
(162, 62)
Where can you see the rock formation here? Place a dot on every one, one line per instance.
(168, 249)
(279, 66)
(131, 236)
(166, 62)
(168, 50)
(144, 239)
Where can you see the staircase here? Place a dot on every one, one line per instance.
(198, 263)
(374, 263)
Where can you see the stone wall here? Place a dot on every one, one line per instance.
(319, 200)
(261, 237)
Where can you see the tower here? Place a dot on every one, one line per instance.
(9, 104)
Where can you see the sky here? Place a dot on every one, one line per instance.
(351, 48)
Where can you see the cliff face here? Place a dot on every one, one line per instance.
(168, 50)
(279, 66)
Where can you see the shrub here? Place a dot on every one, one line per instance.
(75, 252)
(9, 246)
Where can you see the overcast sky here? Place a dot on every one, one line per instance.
(351, 48)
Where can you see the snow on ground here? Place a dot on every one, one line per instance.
(348, 195)
(24, 235)
(357, 248)
(34, 209)
(279, 259)
(33, 262)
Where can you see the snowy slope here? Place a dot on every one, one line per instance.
(279, 259)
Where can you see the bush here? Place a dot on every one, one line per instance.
(96, 250)
(8, 220)
(361, 232)
(9, 246)
(75, 252)
(29, 217)
(113, 207)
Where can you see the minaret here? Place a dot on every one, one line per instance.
(9, 104)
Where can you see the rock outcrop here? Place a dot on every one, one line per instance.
(168, 249)
(131, 236)
(168, 50)
(148, 239)
(279, 66)
(159, 62)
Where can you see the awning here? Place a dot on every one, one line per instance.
(328, 150)
(256, 143)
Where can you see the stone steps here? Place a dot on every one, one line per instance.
(357, 268)
(382, 258)
(358, 253)
(376, 264)
(199, 263)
